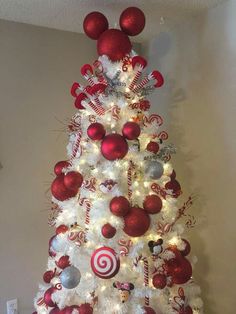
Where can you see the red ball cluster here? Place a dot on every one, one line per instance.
(66, 186)
(131, 130)
(137, 222)
(114, 43)
(114, 146)
(152, 204)
(119, 206)
(108, 231)
(96, 131)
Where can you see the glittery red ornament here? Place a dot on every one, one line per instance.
(119, 206)
(60, 191)
(48, 275)
(95, 23)
(114, 43)
(60, 165)
(149, 310)
(153, 147)
(96, 131)
(73, 180)
(108, 231)
(174, 186)
(63, 262)
(186, 310)
(137, 222)
(114, 146)
(131, 130)
(132, 21)
(56, 310)
(48, 297)
(61, 229)
(187, 248)
(152, 204)
(70, 309)
(159, 281)
(85, 309)
(179, 269)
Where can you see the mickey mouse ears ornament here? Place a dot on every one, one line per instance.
(112, 42)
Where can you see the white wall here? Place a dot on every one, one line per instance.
(198, 57)
(38, 66)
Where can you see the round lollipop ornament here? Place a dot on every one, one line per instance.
(105, 263)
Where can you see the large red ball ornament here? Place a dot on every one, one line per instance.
(180, 269)
(114, 43)
(48, 275)
(152, 204)
(114, 146)
(149, 310)
(132, 21)
(59, 166)
(96, 131)
(137, 222)
(73, 180)
(48, 297)
(95, 23)
(63, 262)
(60, 191)
(61, 229)
(119, 206)
(159, 281)
(108, 231)
(131, 130)
(85, 309)
(186, 310)
(153, 147)
(187, 248)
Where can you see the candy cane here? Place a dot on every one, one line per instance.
(87, 203)
(85, 70)
(138, 63)
(76, 87)
(155, 75)
(125, 246)
(146, 273)
(83, 97)
(97, 89)
(129, 179)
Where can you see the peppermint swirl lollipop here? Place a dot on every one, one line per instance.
(105, 263)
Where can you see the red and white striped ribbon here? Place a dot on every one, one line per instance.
(141, 84)
(98, 109)
(136, 77)
(145, 272)
(85, 201)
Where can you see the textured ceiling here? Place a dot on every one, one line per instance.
(68, 14)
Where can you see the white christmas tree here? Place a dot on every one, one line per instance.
(118, 246)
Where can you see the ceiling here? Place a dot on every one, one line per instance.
(68, 14)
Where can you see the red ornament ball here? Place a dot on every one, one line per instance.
(114, 146)
(152, 204)
(180, 269)
(153, 147)
(96, 131)
(149, 310)
(114, 43)
(85, 309)
(95, 23)
(48, 275)
(119, 206)
(60, 191)
(61, 229)
(70, 309)
(159, 281)
(56, 310)
(187, 248)
(73, 180)
(60, 165)
(48, 297)
(63, 262)
(131, 130)
(186, 310)
(108, 231)
(132, 21)
(174, 186)
(137, 222)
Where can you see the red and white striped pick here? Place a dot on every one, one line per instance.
(95, 90)
(87, 72)
(138, 64)
(154, 76)
(83, 97)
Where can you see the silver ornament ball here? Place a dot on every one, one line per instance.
(154, 169)
(70, 277)
(56, 244)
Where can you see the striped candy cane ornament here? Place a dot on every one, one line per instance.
(145, 272)
(138, 64)
(156, 76)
